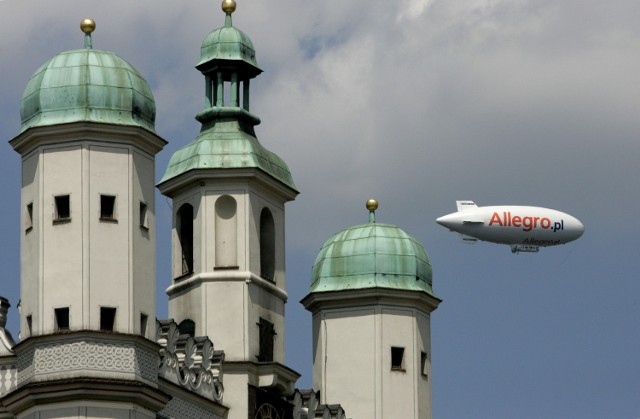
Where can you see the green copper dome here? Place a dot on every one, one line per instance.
(372, 256)
(228, 44)
(87, 85)
(226, 145)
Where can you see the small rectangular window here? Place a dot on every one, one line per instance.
(107, 318)
(29, 217)
(29, 325)
(143, 324)
(397, 358)
(424, 364)
(267, 335)
(144, 221)
(62, 319)
(107, 207)
(62, 210)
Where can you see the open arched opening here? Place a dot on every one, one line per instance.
(267, 245)
(184, 228)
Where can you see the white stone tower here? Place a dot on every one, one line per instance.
(371, 300)
(88, 149)
(228, 195)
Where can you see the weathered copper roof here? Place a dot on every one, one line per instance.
(87, 85)
(225, 145)
(227, 139)
(372, 256)
(228, 45)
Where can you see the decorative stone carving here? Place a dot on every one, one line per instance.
(189, 362)
(86, 354)
(306, 405)
(6, 341)
(8, 379)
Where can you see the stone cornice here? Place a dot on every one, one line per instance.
(316, 301)
(185, 180)
(269, 375)
(87, 131)
(85, 388)
(227, 275)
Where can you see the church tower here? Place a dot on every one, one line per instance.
(88, 147)
(371, 300)
(228, 195)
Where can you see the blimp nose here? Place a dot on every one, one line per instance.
(449, 220)
(580, 229)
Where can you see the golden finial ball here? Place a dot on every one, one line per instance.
(87, 25)
(228, 6)
(372, 205)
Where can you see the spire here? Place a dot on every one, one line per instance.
(227, 57)
(372, 206)
(228, 6)
(227, 138)
(88, 26)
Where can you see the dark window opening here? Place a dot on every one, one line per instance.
(107, 318)
(62, 208)
(62, 319)
(107, 207)
(144, 221)
(397, 358)
(29, 217)
(143, 324)
(424, 364)
(267, 245)
(267, 335)
(29, 325)
(185, 236)
(187, 327)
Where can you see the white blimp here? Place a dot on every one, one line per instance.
(525, 229)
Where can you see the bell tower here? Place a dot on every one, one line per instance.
(228, 194)
(87, 270)
(371, 298)
(88, 146)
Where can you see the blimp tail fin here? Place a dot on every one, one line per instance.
(468, 239)
(465, 205)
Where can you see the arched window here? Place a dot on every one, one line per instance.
(187, 327)
(267, 245)
(184, 228)
(226, 233)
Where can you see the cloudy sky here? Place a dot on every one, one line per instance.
(416, 103)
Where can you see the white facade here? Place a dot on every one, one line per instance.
(372, 351)
(230, 289)
(88, 238)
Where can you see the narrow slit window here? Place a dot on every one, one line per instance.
(397, 358)
(107, 318)
(107, 207)
(143, 324)
(144, 220)
(29, 325)
(267, 335)
(424, 364)
(62, 319)
(267, 245)
(184, 227)
(29, 217)
(62, 210)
